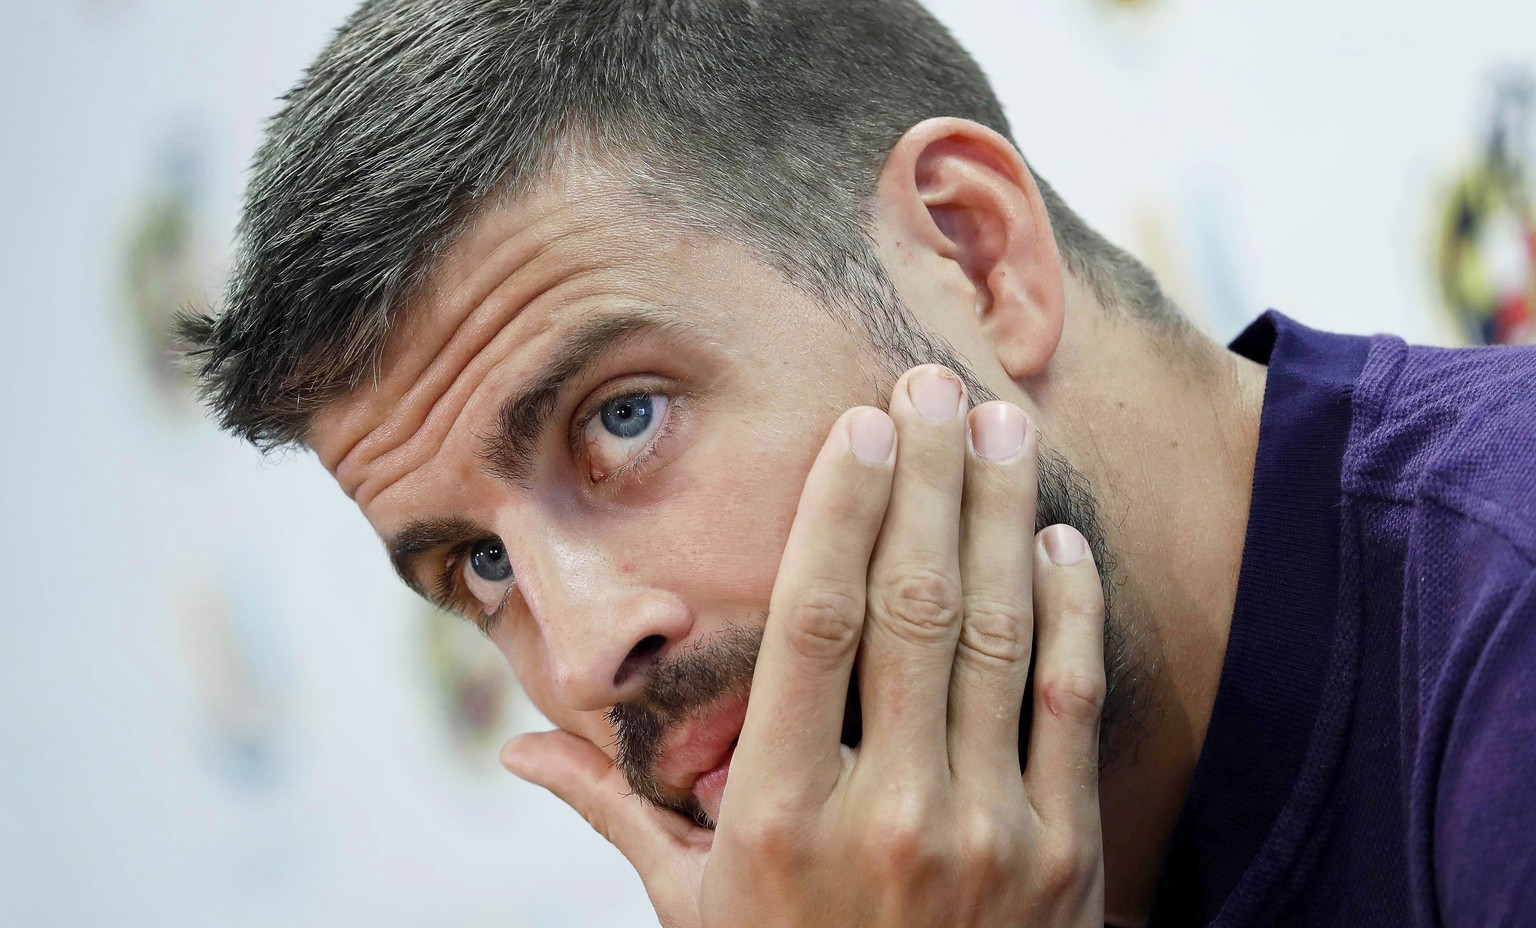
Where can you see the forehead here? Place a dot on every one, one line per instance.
(519, 275)
(500, 262)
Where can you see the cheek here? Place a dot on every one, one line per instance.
(713, 539)
(740, 515)
(523, 658)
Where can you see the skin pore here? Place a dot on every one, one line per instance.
(626, 552)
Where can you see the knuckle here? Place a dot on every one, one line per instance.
(1056, 874)
(908, 839)
(823, 623)
(993, 632)
(937, 476)
(1079, 604)
(847, 510)
(1073, 695)
(770, 836)
(1063, 869)
(920, 603)
(990, 846)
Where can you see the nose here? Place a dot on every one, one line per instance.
(602, 631)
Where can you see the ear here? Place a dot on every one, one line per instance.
(959, 200)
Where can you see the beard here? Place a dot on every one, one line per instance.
(678, 688)
(682, 686)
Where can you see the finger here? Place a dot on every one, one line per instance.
(583, 778)
(790, 739)
(997, 523)
(1062, 775)
(914, 577)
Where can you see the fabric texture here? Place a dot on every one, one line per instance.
(1371, 757)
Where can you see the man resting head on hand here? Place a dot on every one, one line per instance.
(726, 363)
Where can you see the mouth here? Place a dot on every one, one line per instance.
(709, 787)
(697, 757)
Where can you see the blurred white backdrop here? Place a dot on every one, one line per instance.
(216, 704)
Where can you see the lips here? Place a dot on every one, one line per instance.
(709, 787)
(697, 756)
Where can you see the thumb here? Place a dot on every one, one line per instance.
(585, 779)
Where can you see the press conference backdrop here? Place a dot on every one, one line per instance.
(216, 705)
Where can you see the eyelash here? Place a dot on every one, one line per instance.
(450, 595)
(449, 590)
(580, 423)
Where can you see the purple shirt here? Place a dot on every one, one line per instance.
(1371, 757)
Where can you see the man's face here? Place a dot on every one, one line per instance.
(590, 436)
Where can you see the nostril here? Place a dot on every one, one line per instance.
(639, 656)
(649, 646)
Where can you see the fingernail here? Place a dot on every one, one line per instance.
(1064, 544)
(936, 394)
(872, 435)
(997, 430)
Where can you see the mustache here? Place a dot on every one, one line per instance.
(677, 689)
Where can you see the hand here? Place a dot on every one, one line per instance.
(913, 552)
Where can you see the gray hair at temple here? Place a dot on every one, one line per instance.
(762, 121)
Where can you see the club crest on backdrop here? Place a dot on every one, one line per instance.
(476, 701)
(237, 680)
(169, 267)
(1487, 242)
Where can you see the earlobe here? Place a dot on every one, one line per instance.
(963, 195)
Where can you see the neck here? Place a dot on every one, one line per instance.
(1167, 429)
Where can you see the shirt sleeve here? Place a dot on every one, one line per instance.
(1485, 818)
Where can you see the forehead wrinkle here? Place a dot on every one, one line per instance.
(436, 307)
(507, 451)
(468, 381)
(520, 278)
(492, 249)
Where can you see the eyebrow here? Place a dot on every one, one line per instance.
(511, 448)
(509, 451)
(422, 536)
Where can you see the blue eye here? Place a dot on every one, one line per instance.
(627, 416)
(622, 430)
(489, 561)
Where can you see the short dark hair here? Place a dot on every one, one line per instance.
(766, 121)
